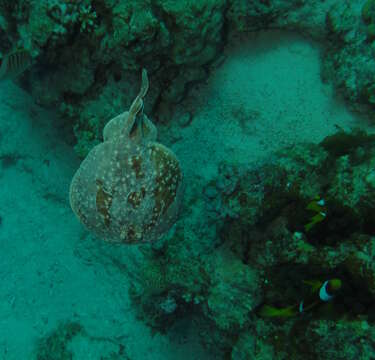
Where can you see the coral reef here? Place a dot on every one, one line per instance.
(349, 59)
(88, 51)
(267, 255)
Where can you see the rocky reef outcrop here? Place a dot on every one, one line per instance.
(268, 246)
(88, 53)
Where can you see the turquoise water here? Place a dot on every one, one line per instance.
(261, 249)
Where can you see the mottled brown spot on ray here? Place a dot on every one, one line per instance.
(135, 198)
(168, 178)
(131, 235)
(103, 202)
(136, 164)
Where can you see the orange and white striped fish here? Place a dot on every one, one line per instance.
(14, 63)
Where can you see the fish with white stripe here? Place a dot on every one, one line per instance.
(321, 292)
(14, 63)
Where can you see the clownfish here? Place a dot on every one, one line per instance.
(321, 292)
(317, 205)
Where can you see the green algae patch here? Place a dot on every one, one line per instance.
(344, 143)
(368, 11)
(55, 345)
(368, 17)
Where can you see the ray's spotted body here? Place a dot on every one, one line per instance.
(129, 188)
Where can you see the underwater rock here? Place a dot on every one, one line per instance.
(70, 340)
(128, 189)
(348, 340)
(318, 339)
(368, 16)
(360, 262)
(234, 293)
(55, 344)
(349, 60)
